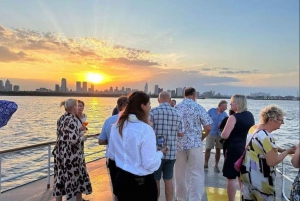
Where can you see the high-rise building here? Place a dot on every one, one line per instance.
(16, 88)
(57, 89)
(156, 90)
(179, 92)
(1, 86)
(111, 89)
(8, 86)
(84, 87)
(78, 87)
(92, 88)
(146, 88)
(63, 85)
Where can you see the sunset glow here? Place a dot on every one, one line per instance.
(95, 78)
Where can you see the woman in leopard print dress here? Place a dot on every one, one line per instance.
(70, 174)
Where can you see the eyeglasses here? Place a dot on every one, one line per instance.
(281, 120)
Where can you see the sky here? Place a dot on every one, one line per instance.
(225, 46)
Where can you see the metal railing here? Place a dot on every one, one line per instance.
(49, 165)
(283, 178)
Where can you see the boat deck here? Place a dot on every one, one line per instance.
(37, 191)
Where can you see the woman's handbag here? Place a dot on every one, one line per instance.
(238, 163)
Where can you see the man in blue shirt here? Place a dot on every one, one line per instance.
(214, 137)
(103, 138)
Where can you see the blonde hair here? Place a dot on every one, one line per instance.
(241, 102)
(270, 112)
(69, 103)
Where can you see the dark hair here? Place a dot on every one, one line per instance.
(122, 101)
(80, 101)
(189, 91)
(231, 112)
(174, 100)
(134, 106)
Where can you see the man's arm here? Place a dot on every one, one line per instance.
(206, 130)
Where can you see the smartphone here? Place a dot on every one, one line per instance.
(160, 142)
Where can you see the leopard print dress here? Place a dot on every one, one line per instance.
(70, 174)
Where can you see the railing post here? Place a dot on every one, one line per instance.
(48, 172)
(282, 179)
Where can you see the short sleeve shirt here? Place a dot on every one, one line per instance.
(167, 123)
(194, 116)
(217, 119)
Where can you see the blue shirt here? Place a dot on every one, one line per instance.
(105, 133)
(217, 119)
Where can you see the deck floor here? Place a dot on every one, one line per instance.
(37, 191)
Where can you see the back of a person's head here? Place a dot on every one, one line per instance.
(122, 102)
(164, 96)
(241, 102)
(134, 106)
(189, 91)
(68, 104)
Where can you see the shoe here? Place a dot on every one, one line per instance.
(205, 166)
(216, 169)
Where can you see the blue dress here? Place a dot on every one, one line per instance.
(7, 108)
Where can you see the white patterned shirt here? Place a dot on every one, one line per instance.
(193, 115)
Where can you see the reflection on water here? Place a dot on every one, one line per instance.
(35, 122)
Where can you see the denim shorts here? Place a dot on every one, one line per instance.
(166, 168)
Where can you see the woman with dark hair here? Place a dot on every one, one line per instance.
(133, 148)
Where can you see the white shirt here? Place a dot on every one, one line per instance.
(135, 151)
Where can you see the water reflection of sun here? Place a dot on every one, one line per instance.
(94, 77)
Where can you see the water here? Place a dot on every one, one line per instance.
(35, 122)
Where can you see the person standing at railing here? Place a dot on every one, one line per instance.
(295, 192)
(70, 175)
(103, 138)
(258, 167)
(132, 146)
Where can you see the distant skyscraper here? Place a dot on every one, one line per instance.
(92, 88)
(78, 86)
(8, 86)
(179, 92)
(156, 90)
(16, 88)
(111, 90)
(146, 88)
(84, 87)
(63, 85)
(1, 86)
(57, 88)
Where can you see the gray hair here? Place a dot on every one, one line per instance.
(241, 102)
(164, 95)
(69, 103)
(270, 112)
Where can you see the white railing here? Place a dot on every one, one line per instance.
(48, 167)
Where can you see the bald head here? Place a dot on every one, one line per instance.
(164, 97)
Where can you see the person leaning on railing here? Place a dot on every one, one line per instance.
(295, 192)
(258, 168)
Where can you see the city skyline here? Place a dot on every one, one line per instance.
(230, 47)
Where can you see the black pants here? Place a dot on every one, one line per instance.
(130, 187)
(113, 171)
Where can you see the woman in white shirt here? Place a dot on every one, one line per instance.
(133, 148)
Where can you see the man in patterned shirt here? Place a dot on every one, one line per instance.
(190, 152)
(167, 123)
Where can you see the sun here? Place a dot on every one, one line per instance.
(94, 77)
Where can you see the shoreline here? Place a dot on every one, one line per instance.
(73, 94)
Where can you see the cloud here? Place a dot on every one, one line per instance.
(6, 55)
(124, 61)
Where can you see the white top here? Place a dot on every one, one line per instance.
(135, 151)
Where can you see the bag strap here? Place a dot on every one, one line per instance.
(252, 138)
